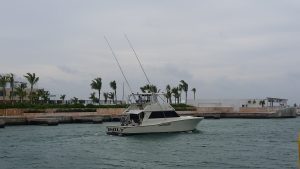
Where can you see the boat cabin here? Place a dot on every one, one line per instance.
(135, 118)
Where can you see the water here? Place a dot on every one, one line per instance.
(225, 143)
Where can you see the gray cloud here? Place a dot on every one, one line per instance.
(226, 49)
(67, 69)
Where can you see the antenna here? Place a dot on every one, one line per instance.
(113, 53)
(137, 59)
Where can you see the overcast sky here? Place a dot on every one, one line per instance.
(224, 48)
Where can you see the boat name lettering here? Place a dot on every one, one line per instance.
(113, 129)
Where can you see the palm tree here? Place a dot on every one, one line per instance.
(262, 103)
(3, 81)
(111, 96)
(105, 95)
(113, 85)
(12, 86)
(74, 100)
(32, 79)
(180, 92)
(185, 88)
(20, 91)
(44, 95)
(149, 89)
(176, 94)
(194, 91)
(97, 85)
(169, 94)
(36, 96)
(62, 97)
(93, 97)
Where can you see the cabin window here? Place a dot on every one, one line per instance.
(169, 114)
(156, 114)
(160, 114)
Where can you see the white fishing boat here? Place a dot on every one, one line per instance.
(149, 115)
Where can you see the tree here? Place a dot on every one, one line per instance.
(168, 94)
(62, 97)
(12, 86)
(97, 85)
(32, 79)
(74, 100)
(36, 96)
(185, 88)
(20, 91)
(3, 81)
(111, 96)
(194, 92)
(45, 95)
(176, 94)
(149, 89)
(105, 95)
(93, 97)
(113, 85)
(262, 103)
(179, 92)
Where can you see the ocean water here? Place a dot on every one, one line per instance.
(224, 143)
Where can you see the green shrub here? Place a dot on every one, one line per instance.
(76, 110)
(56, 106)
(183, 107)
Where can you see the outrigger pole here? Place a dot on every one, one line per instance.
(140, 63)
(137, 59)
(113, 53)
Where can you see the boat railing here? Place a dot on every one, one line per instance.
(142, 98)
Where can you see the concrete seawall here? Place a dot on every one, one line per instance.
(227, 112)
(51, 117)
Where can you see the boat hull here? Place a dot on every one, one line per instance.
(185, 124)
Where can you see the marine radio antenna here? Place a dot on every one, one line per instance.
(137, 59)
(113, 53)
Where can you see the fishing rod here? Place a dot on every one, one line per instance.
(113, 53)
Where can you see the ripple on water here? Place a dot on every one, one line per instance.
(224, 143)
